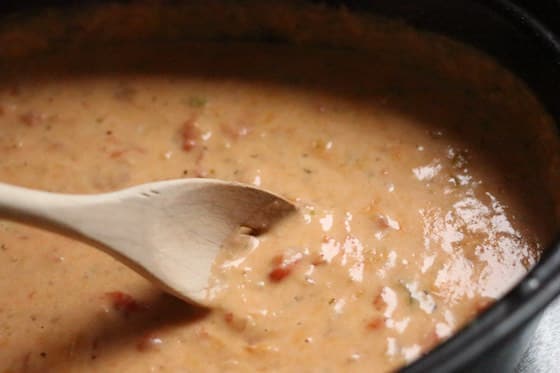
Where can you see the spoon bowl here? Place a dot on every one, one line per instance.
(168, 231)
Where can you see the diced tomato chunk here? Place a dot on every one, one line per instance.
(283, 266)
(124, 302)
(228, 317)
(189, 135)
(376, 323)
(116, 154)
(279, 273)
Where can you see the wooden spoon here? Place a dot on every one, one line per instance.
(168, 231)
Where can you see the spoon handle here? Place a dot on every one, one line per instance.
(47, 210)
(92, 219)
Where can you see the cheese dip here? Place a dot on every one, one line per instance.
(416, 172)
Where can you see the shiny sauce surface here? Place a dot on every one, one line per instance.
(419, 194)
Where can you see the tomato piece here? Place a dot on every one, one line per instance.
(124, 303)
(189, 135)
(283, 266)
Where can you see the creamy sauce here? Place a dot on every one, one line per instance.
(418, 189)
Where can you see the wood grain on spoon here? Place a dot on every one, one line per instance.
(169, 231)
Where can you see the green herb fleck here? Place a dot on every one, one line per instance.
(196, 101)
